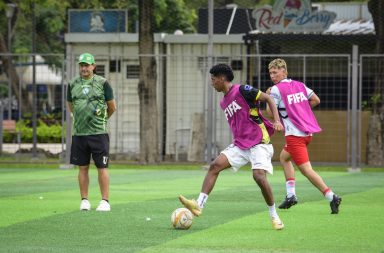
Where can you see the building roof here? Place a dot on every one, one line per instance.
(339, 27)
(351, 27)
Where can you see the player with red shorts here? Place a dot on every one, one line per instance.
(295, 101)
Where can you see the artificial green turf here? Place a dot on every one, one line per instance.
(39, 213)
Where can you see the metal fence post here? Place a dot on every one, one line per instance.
(210, 91)
(1, 128)
(354, 122)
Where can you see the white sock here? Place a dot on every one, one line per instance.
(202, 199)
(290, 186)
(329, 195)
(272, 211)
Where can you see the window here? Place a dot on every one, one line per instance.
(202, 62)
(237, 64)
(114, 66)
(133, 71)
(100, 70)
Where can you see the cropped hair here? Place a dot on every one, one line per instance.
(278, 63)
(222, 69)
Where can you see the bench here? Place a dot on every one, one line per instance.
(10, 127)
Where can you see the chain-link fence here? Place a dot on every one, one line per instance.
(33, 88)
(191, 125)
(183, 97)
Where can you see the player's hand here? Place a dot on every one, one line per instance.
(278, 126)
(268, 91)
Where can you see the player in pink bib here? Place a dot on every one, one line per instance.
(295, 102)
(251, 140)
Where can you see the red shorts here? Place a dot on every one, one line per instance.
(297, 147)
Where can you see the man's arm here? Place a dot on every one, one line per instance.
(273, 109)
(108, 96)
(111, 107)
(69, 98)
(269, 112)
(314, 100)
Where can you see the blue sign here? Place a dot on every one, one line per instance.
(97, 21)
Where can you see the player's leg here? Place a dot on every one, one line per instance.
(259, 175)
(301, 158)
(260, 157)
(334, 200)
(220, 163)
(103, 177)
(80, 155)
(285, 160)
(231, 156)
(290, 183)
(84, 181)
(84, 185)
(196, 206)
(100, 154)
(307, 170)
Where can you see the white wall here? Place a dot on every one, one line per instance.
(185, 78)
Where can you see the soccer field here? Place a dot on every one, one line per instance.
(40, 213)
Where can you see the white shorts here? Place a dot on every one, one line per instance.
(259, 156)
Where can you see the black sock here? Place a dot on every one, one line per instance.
(84, 198)
(105, 200)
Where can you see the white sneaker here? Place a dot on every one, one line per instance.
(85, 205)
(103, 206)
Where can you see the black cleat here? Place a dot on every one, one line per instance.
(288, 202)
(336, 201)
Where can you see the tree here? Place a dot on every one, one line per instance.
(149, 136)
(10, 69)
(51, 24)
(182, 17)
(49, 17)
(375, 146)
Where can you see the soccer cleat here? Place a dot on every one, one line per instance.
(288, 202)
(103, 206)
(85, 205)
(336, 201)
(191, 205)
(277, 223)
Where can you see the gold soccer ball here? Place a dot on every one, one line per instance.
(182, 218)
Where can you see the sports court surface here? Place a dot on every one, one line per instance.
(40, 212)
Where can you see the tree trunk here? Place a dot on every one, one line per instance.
(375, 141)
(11, 72)
(375, 148)
(149, 136)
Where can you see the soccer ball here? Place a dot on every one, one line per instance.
(182, 218)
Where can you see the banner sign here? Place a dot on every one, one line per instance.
(292, 16)
(97, 21)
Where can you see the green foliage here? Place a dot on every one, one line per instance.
(3, 90)
(182, 18)
(46, 133)
(9, 137)
(51, 21)
(376, 98)
(51, 118)
(26, 131)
